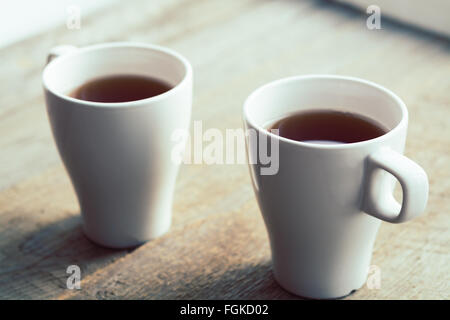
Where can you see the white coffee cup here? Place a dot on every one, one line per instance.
(323, 207)
(118, 155)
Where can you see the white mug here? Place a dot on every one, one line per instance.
(323, 207)
(118, 155)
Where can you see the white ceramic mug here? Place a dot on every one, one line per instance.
(118, 155)
(322, 209)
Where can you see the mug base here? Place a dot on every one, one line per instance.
(120, 244)
(315, 296)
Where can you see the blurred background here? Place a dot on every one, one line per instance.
(21, 19)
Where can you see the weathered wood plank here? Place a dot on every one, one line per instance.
(235, 238)
(40, 236)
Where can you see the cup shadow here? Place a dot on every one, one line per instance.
(249, 282)
(33, 265)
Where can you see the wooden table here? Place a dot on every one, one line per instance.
(217, 247)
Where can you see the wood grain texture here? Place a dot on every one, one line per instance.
(217, 246)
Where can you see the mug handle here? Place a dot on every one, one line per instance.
(379, 202)
(57, 51)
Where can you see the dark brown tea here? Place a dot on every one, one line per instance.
(328, 127)
(120, 88)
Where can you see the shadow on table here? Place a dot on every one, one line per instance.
(251, 282)
(33, 266)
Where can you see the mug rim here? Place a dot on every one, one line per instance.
(123, 44)
(399, 102)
